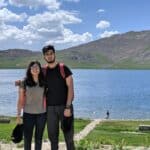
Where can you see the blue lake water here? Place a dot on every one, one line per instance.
(125, 93)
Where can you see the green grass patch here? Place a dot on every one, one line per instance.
(6, 129)
(116, 132)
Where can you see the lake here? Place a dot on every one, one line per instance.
(125, 93)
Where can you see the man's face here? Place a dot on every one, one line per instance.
(49, 56)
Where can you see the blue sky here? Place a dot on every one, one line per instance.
(31, 24)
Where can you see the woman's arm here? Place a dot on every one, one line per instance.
(20, 103)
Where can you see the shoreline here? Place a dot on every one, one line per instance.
(86, 118)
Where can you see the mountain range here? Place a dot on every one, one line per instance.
(129, 50)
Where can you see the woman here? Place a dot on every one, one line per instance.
(31, 100)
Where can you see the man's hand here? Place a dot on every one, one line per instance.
(17, 82)
(67, 112)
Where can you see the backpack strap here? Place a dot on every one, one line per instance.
(62, 71)
(61, 67)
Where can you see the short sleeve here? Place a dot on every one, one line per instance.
(67, 71)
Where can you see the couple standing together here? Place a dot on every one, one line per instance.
(55, 83)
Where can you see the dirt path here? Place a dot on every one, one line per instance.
(86, 130)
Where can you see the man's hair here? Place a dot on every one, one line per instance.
(47, 48)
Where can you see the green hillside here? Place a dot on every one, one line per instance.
(130, 50)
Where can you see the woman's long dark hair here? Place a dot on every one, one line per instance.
(29, 81)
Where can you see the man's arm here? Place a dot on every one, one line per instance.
(17, 82)
(70, 96)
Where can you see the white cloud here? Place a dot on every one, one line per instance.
(101, 11)
(72, 0)
(108, 34)
(103, 24)
(12, 37)
(11, 32)
(50, 26)
(50, 4)
(8, 16)
(3, 3)
(71, 39)
(40, 29)
(63, 17)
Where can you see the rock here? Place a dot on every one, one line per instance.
(144, 127)
(4, 120)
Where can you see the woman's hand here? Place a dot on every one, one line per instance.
(18, 120)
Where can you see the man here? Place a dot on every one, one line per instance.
(60, 94)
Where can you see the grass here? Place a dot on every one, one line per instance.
(6, 129)
(120, 132)
(116, 133)
(130, 63)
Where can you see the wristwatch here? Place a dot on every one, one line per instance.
(68, 107)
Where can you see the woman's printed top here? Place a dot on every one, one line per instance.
(34, 101)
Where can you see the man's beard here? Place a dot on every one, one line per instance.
(50, 62)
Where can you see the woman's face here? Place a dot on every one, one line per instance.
(35, 69)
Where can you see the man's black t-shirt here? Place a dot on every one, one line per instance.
(56, 84)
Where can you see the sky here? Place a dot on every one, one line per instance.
(32, 24)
